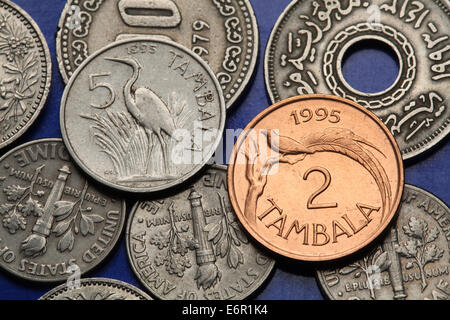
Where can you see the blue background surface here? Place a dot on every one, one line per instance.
(291, 279)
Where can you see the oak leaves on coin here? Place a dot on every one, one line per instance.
(225, 233)
(176, 243)
(22, 202)
(419, 247)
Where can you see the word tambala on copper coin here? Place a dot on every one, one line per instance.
(315, 177)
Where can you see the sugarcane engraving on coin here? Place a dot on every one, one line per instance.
(130, 139)
(291, 151)
(24, 201)
(219, 238)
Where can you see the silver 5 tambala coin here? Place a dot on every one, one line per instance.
(306, 50)
(54, 222)
(25, 72)
(142, 115)
(95, 289)
(191, 246)
(223, 33)
(411, 262)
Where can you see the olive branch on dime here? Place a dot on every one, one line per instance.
(291, 151)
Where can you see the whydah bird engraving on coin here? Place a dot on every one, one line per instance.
(55, 222)
(191, 246)
(25, 72)
(223, 33)
(410, 262)
(306, 50)
(315, 177)
(142, 115)
(95, 289)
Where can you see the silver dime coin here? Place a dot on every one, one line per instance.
(25, 72)
(142, 115)
(411, 262)
(191, 246)
(223, 33)
(54, 223)
(307, 45)
(95, 289)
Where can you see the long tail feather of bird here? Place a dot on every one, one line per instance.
(345, 142)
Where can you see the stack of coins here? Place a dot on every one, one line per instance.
(318, 176)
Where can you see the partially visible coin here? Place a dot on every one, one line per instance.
(190, 245)
(411, 262)
(54, 222)
(315, 177)
(25, 72)
(142, 115)
(223, 33)
(96, 289)
(310, 39)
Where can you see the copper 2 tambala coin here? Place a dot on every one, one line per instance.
(315, 177)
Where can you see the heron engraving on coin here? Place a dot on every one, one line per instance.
(143, 104)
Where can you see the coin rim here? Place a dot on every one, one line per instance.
(318, 274)
(133, 210)
(107, 282)
(430, 141)
(265, 242)
(46, 89)
(172, 183)
(245, 80)
(107, 251)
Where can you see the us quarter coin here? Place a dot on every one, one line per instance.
(54, 222)
(411, 262)
(190, 245)
(223, 33)
(142, 115)
(25, 72)
(96, 289)
(306, 48)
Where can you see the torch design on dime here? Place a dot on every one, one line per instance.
(207, 273)
(198, 249)
(36, 243)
